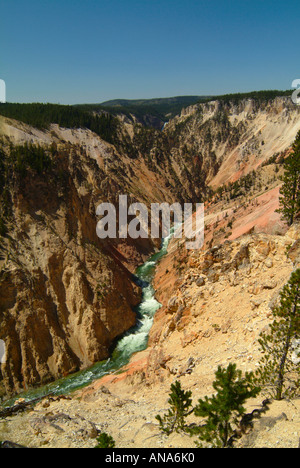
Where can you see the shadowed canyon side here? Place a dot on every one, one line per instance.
(64, 299)
(65, 295)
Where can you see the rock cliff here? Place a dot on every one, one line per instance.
(64, 294)
(63, 297)
(227, 140)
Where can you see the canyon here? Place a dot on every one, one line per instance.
(66, 295)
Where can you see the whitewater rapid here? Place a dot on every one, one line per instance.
(133, 341)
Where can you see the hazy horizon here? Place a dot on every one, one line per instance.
(147, 99)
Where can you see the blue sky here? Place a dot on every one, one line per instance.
(72, 51)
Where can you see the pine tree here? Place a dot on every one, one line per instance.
(105, 441)
(180, 407)
(279, 371)
(290, 191)
(225, 409)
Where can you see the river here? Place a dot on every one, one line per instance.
(135, 340)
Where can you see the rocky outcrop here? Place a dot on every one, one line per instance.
(219, 305)
(63, 297)
(226, 140)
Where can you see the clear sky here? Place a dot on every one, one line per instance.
(84, 51)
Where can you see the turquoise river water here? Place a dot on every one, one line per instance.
(136, 339)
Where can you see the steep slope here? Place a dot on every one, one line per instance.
(212, 315)
(63, 298)
(227, 140)
(64, 294)
(219, 304)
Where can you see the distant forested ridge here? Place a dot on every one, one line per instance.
(260, 96)
(155, 112)
(102, 118)
(149, 112)
(42, 115)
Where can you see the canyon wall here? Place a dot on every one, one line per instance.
(65, 295)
